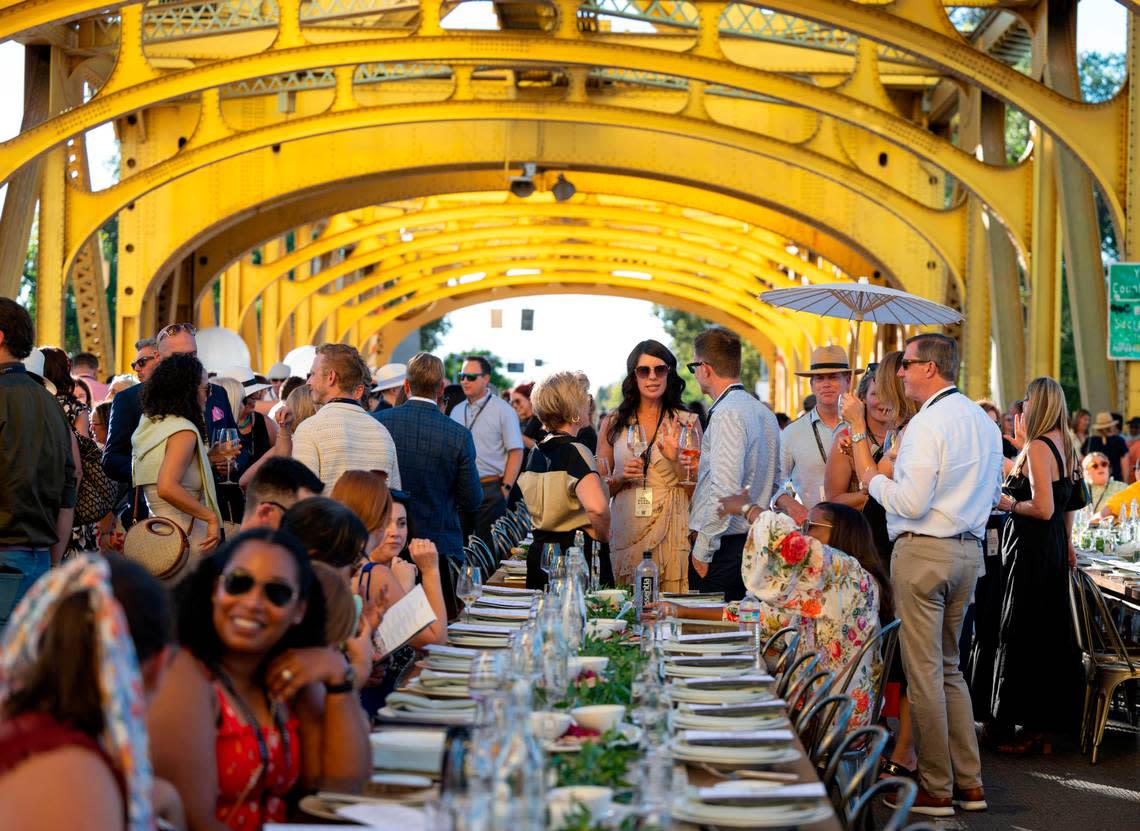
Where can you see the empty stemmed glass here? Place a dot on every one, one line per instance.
(551, 554)
(486, 678)
(469, 587)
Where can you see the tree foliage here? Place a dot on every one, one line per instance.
(683, 328)
(431, 334)
(453, 363)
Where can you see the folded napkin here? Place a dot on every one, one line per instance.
(747, 793)
(504, 602)
(458, 653)
(413, 750)
(509, 591)
(736, 738)
(709, 660)
(728, 683)
(755, 708)
(483, 630)
(713, 637)
(412, 702)
(431, 679)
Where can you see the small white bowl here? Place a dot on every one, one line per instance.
(593, 663)
(549, 725)
(614, 597)
(562, 802)
(600, 717)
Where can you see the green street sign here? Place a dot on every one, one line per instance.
(1124, 312)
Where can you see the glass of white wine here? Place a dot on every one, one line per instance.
(468, 587)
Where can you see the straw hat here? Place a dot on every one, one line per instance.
(245, 376)
(826, 360)
(389, 377)
(1104, 421)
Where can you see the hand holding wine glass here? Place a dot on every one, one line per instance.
(637, 444)
(690, 450)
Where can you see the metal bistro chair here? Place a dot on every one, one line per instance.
(1108, 663)
(888, 637)
(478, 554)
(523, 516)
(807, 690)
(784, 653)
(907, 790)
(502, 540)
(850, 796)
(802, 666)
(822, 725)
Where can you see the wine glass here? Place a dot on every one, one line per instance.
(468, 587)
(485, 678)
(551, 552)
(689, 443)
(635, 441)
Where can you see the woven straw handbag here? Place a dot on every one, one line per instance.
(159, 545)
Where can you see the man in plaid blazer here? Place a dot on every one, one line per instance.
(436, 457)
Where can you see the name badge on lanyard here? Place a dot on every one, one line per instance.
(643, 502)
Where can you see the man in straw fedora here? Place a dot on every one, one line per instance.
(1104, 437)
(805, 443)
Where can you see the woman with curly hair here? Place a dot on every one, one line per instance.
(255, 703)
(57, 369)
(651, 398)
(168, 455)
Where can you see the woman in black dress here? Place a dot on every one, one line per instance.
(1037, 675)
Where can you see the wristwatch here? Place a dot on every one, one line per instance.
(857, 437)
(746, 508)
(345, 686)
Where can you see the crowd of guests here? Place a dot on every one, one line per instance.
(289, 513)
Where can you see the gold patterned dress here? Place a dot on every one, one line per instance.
(665, 533)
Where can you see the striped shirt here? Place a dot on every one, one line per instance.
(740, 449)
(342, 437)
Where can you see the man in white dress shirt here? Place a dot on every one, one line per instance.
(342, 435)
(947, 478)
(805, 443)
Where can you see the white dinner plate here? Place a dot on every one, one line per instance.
(452, 717)
(749, 695)
(707, 648)
(772, 754)
(688, 721)
(474, 640)
(631, 734)
(791, 815)
(678, 671)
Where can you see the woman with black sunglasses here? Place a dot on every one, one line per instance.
(255, 704)
(651, 399)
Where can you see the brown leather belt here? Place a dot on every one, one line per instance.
(484, 480)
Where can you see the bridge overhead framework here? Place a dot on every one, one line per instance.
(306, 170)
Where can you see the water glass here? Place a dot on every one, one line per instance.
(469, 587)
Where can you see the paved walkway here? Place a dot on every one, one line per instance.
(1060, 792)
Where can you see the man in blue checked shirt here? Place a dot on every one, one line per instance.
(740, 452)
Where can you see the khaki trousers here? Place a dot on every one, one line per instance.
(933, 580)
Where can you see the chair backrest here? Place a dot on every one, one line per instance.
(477, 556)
(453, 572)
(508, 523)
(802, 666)
(887, 641)
(871, 740)
(806, 689)
(1099, 634)
(787, 654)
(523, 516)
(822, 725)
(906, 789)
(502, 541)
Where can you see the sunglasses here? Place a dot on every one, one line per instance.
(471, 376)
(239, 582)
(659, 371)
(1098, 465)
(907, 363)
(692, 365)
(175, 329)
(807, 525)
(139, 363)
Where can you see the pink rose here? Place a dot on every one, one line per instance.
(793, 548)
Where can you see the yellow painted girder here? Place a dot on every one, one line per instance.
(233, 240)
(691, 138)
(293, 191)
(734, 302)
(473, 294)
(732, 286)
(370, 317)
(257, 279)
(1097, 134)
(998, 187)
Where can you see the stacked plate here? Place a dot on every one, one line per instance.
(514, 568)
(514, 617)
(711, 643)
(481, 635)
(754, 804)
(433, 683)
(509, 591)
(403, 749)
(741, 748)
(448, 658)
(406, 706)
(708, 666)
(763, 715)
(498, 601)
(746, 688)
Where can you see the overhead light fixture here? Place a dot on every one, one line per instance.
(523, 186)
(563, 189)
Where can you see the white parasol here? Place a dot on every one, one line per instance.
(862, 301)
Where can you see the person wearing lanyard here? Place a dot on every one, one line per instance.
(804, 444)
(947, 479)
(494, 426)
(739, 453)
